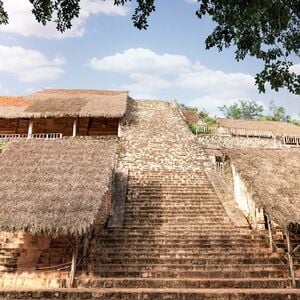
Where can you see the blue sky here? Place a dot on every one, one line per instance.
(104, 51)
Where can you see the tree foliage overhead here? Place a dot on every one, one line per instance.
(268, 30)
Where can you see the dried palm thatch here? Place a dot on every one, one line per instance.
(279, 128)
(54, 187)
(273, 179)
(67, 103)
(11, 106)
(82, 103)
(13, 101)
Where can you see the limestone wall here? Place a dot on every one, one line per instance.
(215, 141)
(244, 200)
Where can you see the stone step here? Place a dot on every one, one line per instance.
(180, 240)
(162, 294)
(157, 221)
(190, 256)
(171, 283)
(204, 230)
(178, 261)
(189, 274)
(188, 267)
(208, 227)
(182, 245)
(180, 252)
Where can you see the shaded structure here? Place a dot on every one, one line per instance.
(269, 180)
(52, 195)
(67, 112)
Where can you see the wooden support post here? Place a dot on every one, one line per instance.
(290, 257)
(73, 265)
(74, 127)
(119, 129)
(270, 234)
(30, 129)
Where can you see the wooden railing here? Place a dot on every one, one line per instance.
(205, 129)
(44, 136)
(244, 132)
(251, 133)
(291, 140)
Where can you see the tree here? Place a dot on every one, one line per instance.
(265, 29)
(278, 114)
(244, 109)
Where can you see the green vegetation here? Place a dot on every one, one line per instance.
(266, 30)
(209, 121)
(243, 109)
(250, 110)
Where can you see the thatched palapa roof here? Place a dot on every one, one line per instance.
(273, 179)
(68, 103)
(54, 187)
(279, 128)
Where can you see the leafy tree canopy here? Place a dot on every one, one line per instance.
(250, 110)
(265, 29)
(243, 109)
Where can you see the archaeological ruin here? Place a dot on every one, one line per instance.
(106, 197)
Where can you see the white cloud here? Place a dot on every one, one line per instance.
(150, 73)
(215, 82)
(23, 22)
(142, 88)
(29, 65)
(140, 60)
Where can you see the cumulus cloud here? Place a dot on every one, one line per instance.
(140, 60)
(150, 73)
(29, 65)
(23, 22)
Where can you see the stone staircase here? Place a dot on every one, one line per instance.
(177, 240)
(177, 235)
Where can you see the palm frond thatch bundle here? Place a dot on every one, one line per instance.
(54, 187)
(273, 178)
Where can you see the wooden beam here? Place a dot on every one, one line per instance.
(290, 258)
(73, 265)
(30, 129)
